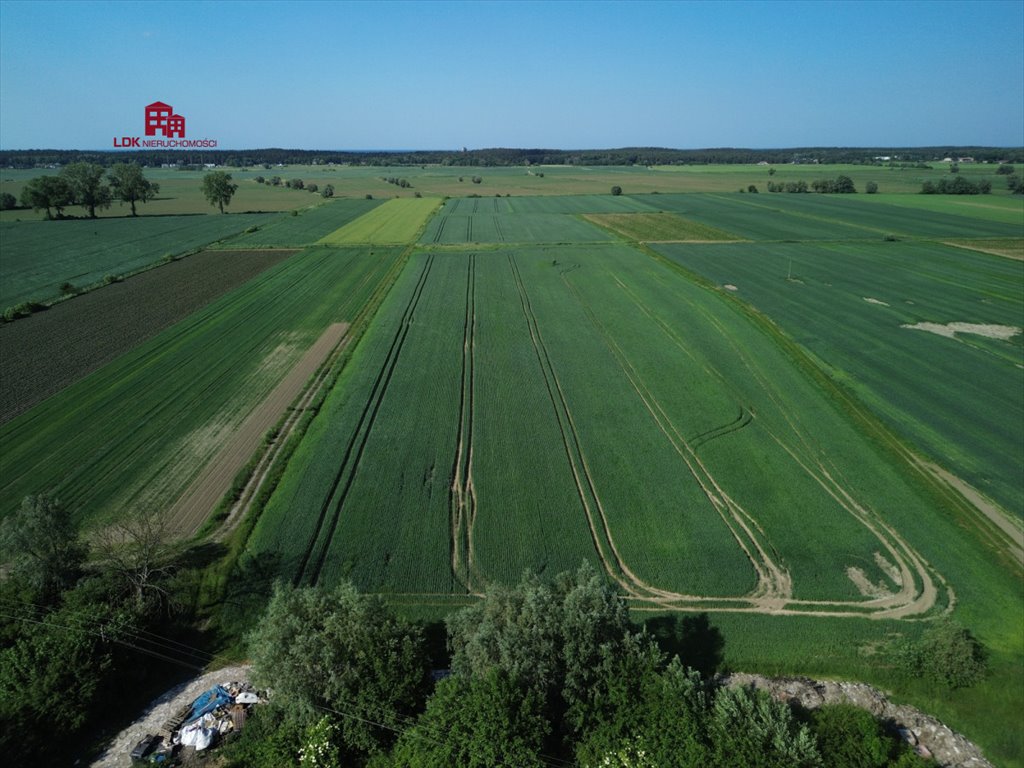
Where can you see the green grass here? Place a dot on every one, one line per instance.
(657, 227)
(396, 221)
(134, 433)
(38, 256)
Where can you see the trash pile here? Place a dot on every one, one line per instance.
(219, 711)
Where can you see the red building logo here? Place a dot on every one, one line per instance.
(160, 118)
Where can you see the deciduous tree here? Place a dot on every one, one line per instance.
(130, 185)
(218, 189)
(43, 543)
(87, 187)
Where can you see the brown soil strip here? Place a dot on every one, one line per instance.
(988, 508)
(1013, 252)
(191, 510)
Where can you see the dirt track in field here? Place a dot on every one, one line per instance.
(193, 507)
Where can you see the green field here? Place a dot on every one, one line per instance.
(39, 256)
(726, 428)
(396, 221)
(958, 397)
(305, 226)
(134, 433)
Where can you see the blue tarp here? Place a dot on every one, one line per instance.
(209, 701)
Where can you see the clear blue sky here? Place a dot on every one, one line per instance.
(443, 75)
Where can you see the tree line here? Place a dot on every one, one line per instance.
(542, 673)
(641, 156)
(83, 184)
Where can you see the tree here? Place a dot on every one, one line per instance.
(8, 201)
(871, 188)
(616, 190)
(477, 722)
(551, 637)
(130, 185)
(46, 192)
(41, 539)
(341, 651)
(312, 188)
(87, 187)
(218, 189)
(850, 737)
(328, 190)
(140, 556)
(749, 728)
(1005, 169)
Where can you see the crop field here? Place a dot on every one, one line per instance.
(396, 221)
(929, 336)
(39, 256)
(132, 434)
(668, 475)
(43, 353)
(798, 217)
(305, 228)
(800, 414)
(663, 227)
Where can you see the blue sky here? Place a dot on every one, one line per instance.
(443, 75)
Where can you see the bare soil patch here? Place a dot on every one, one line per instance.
(42, 354)
(1008, 249)
(191, 510)
(949, 330)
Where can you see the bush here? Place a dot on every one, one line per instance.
(616, 190)
(369, 196)
(67, 289)
(752, 188)
(871, 188)
(108, 279)
(1004, 169)
(947, 653)
(8, 201)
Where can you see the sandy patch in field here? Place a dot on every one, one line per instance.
(949, 330)
(889, 569)
(864, 585)
(870, 300)
(730, 287)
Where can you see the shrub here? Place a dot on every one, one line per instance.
(871, 188)
(1004, 169)
(67, 289)
(947, 653)
(616, 190)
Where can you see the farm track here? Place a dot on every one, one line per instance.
(598, 524)
(327, 521)
(190, 511)
(463, 493)
(773, 582)
(774, 593)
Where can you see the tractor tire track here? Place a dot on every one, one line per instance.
(310, 565)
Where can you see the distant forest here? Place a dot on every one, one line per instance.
(35, 158)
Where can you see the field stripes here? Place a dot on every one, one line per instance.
(396, 221)
(463, 491)
(312, 560)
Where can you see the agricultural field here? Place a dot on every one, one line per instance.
(396, 221)
(180, 195)
(306, 226)
(748, 406)
(39, 256)
(47, 351)
(928, 336)
(134, 433)
(686, 512)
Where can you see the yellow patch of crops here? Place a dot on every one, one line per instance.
(397, 221)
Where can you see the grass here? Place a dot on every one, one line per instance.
(657, 227)
(396, 221)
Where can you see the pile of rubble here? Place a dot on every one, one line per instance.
(217, 712)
